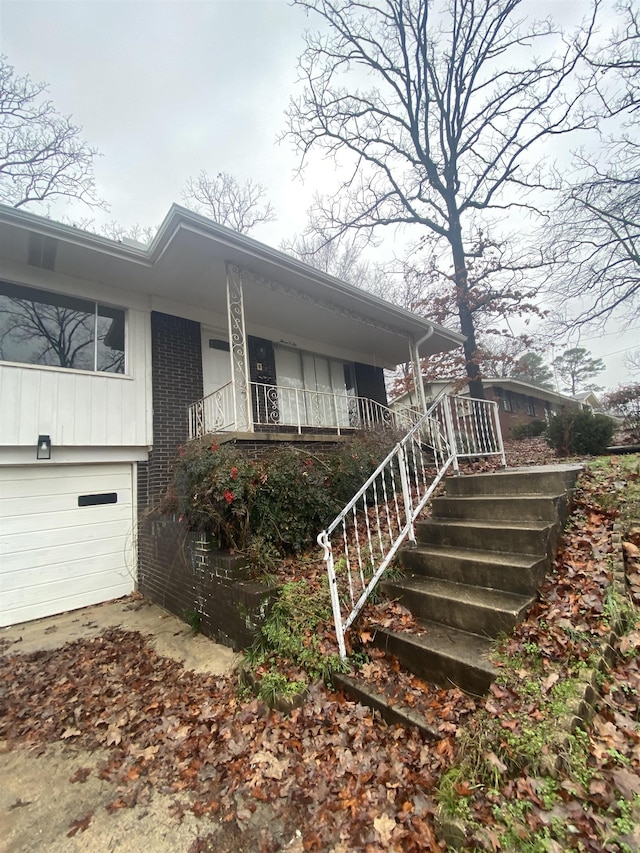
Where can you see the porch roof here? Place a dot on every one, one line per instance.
(186, 264)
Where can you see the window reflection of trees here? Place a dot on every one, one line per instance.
(38, 327)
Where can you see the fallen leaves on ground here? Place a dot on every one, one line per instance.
(329, 769)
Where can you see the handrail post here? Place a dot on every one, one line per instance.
(498, 431)
(323, 541)
(451, 437)
(406, 493)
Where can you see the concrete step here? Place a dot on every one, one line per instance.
(541, 480)
(533, 538)
(497, 508)
(475, 609)
(520, 573)
(446, 656)
(392, 713)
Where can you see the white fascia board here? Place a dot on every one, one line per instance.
(26, 455)
(179, 217)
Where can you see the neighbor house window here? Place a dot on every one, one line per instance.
(39, 327)
(530, 407)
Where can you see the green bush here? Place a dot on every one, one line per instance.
(283, 499)
(530, 430)
(579, 431)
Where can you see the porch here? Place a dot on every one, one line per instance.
(278, 408)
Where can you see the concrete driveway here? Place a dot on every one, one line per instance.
(38, 800)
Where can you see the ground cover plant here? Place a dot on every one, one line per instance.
(329, 775)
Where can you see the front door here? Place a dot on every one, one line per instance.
(216, 361)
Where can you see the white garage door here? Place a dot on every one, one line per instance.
(65, 538)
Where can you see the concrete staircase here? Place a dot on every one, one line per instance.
(474, 573)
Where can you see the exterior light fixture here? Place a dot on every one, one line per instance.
(44, 447)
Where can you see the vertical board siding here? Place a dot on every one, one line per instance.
(79, 409)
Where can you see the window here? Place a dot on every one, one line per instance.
(38, 327)
(324, 386)
(530, 407)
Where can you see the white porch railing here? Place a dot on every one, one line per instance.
(277, 405)
(364, 538)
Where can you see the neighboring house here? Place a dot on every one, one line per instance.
(589, 400)
(114, 354)
(519, 402)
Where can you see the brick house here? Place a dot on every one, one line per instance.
(112, 354)
(519, 402)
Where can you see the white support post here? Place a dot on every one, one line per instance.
(238, 351)
(417, 376)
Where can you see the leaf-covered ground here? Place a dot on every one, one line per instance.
(330, 776)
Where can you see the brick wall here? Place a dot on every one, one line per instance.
(176, 382)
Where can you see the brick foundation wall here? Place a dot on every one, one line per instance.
(176, 383)
(184, 577)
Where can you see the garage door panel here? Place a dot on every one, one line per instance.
(57, 556)
(22, 506)
(63, 484)
(71, 601)
(61, 529)
(69, 560)
(108, 577)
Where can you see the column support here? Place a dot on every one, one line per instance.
(417, 375)
(238, 351)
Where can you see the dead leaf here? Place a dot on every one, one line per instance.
(627, 782)
(81, 774)
(384, 826)
(80, 825)
(67, 733)
(114, 736)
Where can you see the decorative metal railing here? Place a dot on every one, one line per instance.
(278, 406)
(364, 538)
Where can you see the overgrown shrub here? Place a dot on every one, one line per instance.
(625, 402)
(285, 498)
(530, 430)
(579, 431)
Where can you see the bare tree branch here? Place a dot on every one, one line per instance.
(42, 155)
(439, 108)
(227, 202)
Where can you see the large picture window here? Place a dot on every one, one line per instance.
(39, 327)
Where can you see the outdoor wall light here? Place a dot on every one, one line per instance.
(44, 447)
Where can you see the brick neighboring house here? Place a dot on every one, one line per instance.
(112, 354)
(519, 402)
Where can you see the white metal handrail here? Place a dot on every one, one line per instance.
(371, 528)
(282, 406)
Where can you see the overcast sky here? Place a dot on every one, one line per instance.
(165, 89)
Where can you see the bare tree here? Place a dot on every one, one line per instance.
(139, 233)
(42, 154)
(227, 202)
(632, 362)
(461, 95)
(341, 257)
(596, 227)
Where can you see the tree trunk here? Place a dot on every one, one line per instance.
(467, 326)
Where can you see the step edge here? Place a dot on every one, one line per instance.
(401, 714)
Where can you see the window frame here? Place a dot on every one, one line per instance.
(98, 307)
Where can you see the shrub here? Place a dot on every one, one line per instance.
(625, 401)
(282, 499)
(530, 430)
(579, 431)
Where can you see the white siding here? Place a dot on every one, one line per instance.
(57, 556)
(80, 409)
